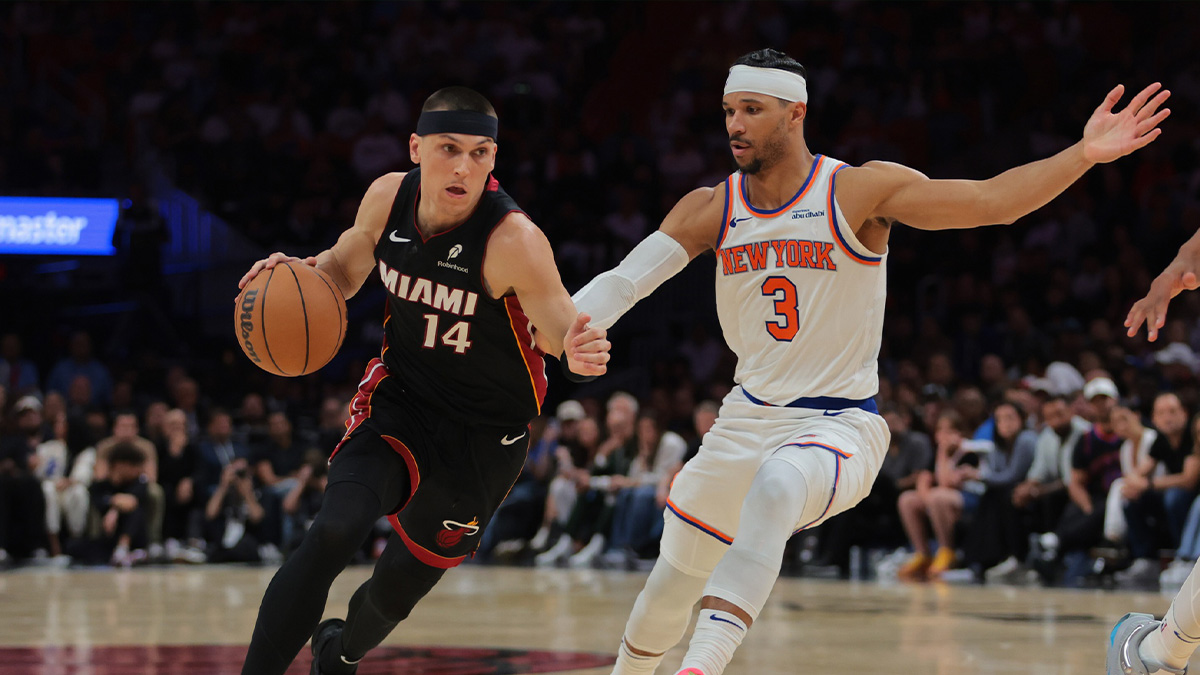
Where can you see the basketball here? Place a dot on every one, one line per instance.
(290, 320)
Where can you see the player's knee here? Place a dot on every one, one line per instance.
(335, 536)
(780, 490)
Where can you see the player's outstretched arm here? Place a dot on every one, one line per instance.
(519, 260)
(688, 230)
(1183, 274)
(887, 190)
(350, 261)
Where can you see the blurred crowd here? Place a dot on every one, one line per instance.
(277, 116)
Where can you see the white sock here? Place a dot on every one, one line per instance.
(1173, 645)
(718, 634)
(629, 663)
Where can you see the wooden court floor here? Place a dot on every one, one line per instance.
(508, 620)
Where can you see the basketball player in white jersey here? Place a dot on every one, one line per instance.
(801, 244)
(1140, 644)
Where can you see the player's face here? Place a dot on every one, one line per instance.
(454, 168)
(758, 128)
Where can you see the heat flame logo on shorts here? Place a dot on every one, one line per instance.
(454, 532)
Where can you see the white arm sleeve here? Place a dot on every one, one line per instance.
(607, 297)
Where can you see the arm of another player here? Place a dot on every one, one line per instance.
(887, 190)
(688, 230)
(1183, 274)
(350, 261)
(519, 259)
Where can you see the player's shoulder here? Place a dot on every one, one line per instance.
(702, 202)
(387, 184)
(878, 170)
(516, 231)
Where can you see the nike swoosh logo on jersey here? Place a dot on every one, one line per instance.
(833, 414)
(509, 441)
(734, 221)
(398, 240)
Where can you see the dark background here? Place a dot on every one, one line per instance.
(236, 129)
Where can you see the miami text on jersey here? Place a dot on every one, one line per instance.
(438, 296)
(787, 253)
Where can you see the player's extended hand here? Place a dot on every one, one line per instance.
(271, 261)
(1108, 135)
(1181, 275)
(586, 348)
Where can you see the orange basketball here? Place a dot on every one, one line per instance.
(290, 320)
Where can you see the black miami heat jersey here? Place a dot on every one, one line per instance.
(446, 340)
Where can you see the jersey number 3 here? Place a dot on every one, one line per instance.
(457, 336)
(786, 311)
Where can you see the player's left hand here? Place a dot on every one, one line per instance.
(1108, 135)
(586, 348)
(1180, 275)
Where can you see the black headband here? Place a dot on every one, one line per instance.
(457, 122)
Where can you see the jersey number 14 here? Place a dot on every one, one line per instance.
(458, 336)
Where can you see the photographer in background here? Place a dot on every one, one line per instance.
(232, 516)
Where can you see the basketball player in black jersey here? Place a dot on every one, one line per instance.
(439, 428)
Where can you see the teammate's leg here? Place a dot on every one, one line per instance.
(366, 480)
(780, 497)
(1139, 644)
(661, 613)
(380, 603)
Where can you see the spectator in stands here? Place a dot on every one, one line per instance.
(22, 505)
(587, 528)
(658, 452)
(81, 362)
(51, 469)
(125, 430)
(996, 541)
(177, 457)
(332, 427)
(1042, 496)
(18, 375)
(578, 438)
(277, 462)
(252, 429)
(1095, 465)
(1135, 448)
(1157, 505)
(153, 420)
(941, 498)
(121, 500)
(233, 516)
(875, 521)
(217, 450)
(300, 506)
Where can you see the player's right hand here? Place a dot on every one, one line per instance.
(586, 348)
(269, 262)
(1180, 275)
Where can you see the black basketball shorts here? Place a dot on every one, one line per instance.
(459, 473)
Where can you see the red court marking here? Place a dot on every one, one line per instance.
(227, 660)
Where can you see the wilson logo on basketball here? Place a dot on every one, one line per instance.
(454, 532)
(247, 323)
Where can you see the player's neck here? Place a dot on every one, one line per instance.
(432, 221)
(774, 187)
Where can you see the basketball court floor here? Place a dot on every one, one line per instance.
(482, 620)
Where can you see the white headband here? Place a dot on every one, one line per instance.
(782, 84)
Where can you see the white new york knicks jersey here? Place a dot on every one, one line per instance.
(799, 298)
